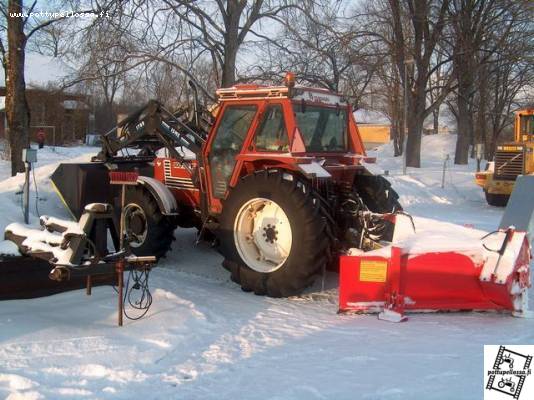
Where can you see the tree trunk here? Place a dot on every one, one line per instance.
(435, 116)
(464, 137)
(17, 110)
(231, 45)
(228, 72)
(413, 144)
(396, 131)
(415, 122)
(481, 133)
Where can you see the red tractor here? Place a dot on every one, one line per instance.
(274, 175)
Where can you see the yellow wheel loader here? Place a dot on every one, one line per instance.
(511, 160)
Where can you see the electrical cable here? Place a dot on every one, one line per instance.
(144, 299)
(501, 250)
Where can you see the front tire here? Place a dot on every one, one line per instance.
(272, 234)
(150, 233)
(497, 200)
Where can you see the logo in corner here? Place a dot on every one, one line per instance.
(507, 372)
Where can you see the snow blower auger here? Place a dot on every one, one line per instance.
(80, 249)
(445, 273)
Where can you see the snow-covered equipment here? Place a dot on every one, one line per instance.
(80, 249)
(438, 274)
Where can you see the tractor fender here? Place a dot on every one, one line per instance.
(164, 198)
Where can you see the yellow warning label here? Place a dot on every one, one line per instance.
(373, 271)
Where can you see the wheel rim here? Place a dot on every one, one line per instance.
(262, 234)
(135, 225)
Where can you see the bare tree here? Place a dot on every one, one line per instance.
(509, 73)
(438, 87)
(417, 30)
(13, 60)
(20, 26)
(221, 28)
(473, 24)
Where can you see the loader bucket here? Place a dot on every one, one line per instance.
(80, 184)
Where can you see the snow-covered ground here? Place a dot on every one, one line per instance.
(204, 338)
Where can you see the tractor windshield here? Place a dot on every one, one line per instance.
(323, 129)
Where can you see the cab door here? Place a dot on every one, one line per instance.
(231, 132)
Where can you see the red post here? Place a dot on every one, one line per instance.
(119, 267)
(394, 300)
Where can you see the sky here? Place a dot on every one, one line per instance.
(41, 69)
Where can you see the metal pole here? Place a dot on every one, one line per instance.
(26, 200)
(120, 277)
(122, 222)
(405, 127)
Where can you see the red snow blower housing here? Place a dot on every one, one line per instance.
(424, 275)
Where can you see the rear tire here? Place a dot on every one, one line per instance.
(307, 251)
(377, 194)
(497, 200)
(153, 230)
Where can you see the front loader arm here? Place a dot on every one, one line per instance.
(149, 129)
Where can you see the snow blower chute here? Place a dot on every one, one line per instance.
(443, 273)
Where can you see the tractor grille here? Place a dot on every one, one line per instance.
(174, 182)
(508, 164)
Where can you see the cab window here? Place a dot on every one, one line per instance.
(324, 129)
(272, 133)
(526, 128)
(231, 133)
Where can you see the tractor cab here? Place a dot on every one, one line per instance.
(307, 130)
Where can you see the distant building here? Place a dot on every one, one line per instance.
(63, 116)
(374, 127)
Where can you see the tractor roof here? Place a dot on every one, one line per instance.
(256, 92)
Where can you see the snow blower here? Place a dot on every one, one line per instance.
(445, 273)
